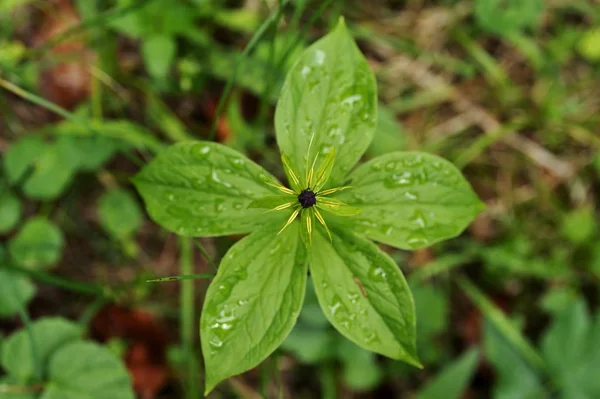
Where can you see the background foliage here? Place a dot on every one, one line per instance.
(507, 90)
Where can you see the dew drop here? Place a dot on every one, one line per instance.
(390, 166)
(411, 196)
(319, 57)
(351, 100)
(202, 151)
(417, 240)
(377, 274)
(376, 166)
(305, 71)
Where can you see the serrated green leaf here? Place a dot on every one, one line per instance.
(119, 213)
(199, 188)
(38, 244)
(87, 370)
(10, 210)
(330, 98)
(410, 200)
(49, 334)
(159, 52)
(364, 294)
(452, 382)
(273, 201)
(21, 155)
(253, 302)
(15, 292)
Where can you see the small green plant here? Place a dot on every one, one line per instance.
(50, 359)
(325, 120)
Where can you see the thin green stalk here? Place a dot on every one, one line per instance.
(204, 252)
(182, 277)
(74, 286)
(91, 310)
(155, 146)
(328, 386)
(187, 318)
(273, 17)
(34, 353)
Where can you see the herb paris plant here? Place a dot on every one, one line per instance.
(325, 120)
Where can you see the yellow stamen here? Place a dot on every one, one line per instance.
(332, 190)
(281, 188)
(291, 219)
(322, 221)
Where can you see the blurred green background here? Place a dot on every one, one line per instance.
(508, 90)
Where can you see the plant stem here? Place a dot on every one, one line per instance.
(34, 353)
(187, 318)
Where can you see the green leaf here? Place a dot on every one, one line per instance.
(158, 52)
(37, 245)
(504, 326)
(309, 346)
(10, 210)
(53, 170)
(570, 348)
(96, 151)
(119, 213)
(515, 378)
(253, 302)
(49, 334)
(504, 17)
(360, 369)
(390, 135)
(589, 44)
(364, 295)
(15, 292)
(199, 188)
(330, 98)
(8, 381)
(87, 370)
(20, 156)
(452, 382)
(431, 306)
(410, 200)
(272, 201)
(10, 5)
(578, 226)
(123, 132)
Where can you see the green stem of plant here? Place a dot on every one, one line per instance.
(75, 286)
(187, 318)
(34, 353)
(249, 48)
(328, 387)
